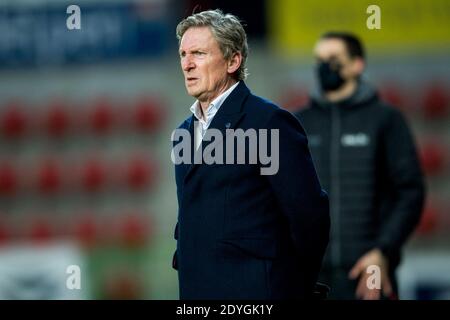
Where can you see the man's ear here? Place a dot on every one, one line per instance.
(358, 66)
(234, 62)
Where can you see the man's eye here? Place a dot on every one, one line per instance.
(199, 53)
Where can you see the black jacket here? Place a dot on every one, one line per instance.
(243, 235)
(366, 160)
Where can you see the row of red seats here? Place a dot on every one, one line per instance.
(434, 156)
(123, 284)
(51, 176)
(60, 117)
(88, 229)
(431, 102)
(434, 217)
(139, 172)
(136, 229)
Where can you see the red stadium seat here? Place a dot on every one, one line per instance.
(8, 180)
(102, 117)
(140, 173)
(435, 103)
(57, 119)
(433, 157)
(134, 230)
(430, 220)
(94, 175)
(149, 114)
(41, 231)
(14, 121)
(49, 177)
(87, 230)
(4, 233)
(392, 94)
(294, 98)
(123, 285)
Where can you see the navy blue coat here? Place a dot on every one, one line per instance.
(243, 235)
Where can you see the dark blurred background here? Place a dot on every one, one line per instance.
(86, 116)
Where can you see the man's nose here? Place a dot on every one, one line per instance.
(187, 64)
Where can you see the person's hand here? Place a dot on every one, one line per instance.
(373, 257)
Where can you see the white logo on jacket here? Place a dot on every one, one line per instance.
(355, 140)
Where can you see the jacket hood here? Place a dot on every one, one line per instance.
(364, 94)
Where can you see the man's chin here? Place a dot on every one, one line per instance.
(191, 92)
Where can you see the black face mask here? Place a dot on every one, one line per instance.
(329, 78)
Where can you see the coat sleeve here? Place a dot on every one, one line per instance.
(404, 176)
(299, 194)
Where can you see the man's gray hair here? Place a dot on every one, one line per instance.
(227, 30)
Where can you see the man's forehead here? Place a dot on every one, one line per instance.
(330, 47)
(196, 37)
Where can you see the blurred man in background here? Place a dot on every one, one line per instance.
(242, 234)
(366, 159)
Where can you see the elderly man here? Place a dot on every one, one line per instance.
(242, 233)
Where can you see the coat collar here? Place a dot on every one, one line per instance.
(227, 117)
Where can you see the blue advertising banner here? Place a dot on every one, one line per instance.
(40, 35)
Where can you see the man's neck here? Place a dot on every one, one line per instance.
(343, 93)
(204, 104)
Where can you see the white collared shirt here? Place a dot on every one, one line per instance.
(201, 125)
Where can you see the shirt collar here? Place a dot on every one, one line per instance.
(213, 106)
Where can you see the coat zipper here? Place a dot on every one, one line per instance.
(335, 185)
